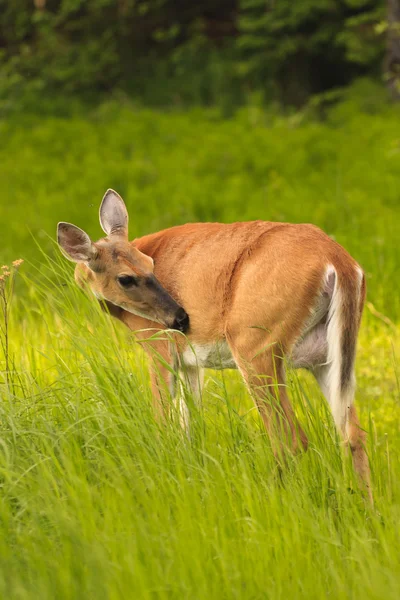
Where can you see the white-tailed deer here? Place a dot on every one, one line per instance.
(252, 296)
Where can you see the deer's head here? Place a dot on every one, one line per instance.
(116, 271)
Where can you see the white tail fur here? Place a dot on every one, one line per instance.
(340, 380)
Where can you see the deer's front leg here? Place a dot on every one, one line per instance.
(158, 351)
(190, 381)
(162, 378)
(163, 375)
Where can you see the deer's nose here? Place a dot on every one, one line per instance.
(181, 321)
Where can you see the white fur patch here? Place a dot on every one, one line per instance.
(215, 355)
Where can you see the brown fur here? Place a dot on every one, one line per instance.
(253, 285)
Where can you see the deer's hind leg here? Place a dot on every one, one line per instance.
(350, 430)
(262, 366)
(312, 353)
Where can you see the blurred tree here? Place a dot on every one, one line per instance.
(180, 52)
(300, 48)
(392, 61)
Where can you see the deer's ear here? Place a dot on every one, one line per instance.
(113, 215)
(74, 243)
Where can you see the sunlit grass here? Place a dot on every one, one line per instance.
(100, 501)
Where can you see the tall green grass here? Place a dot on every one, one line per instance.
(96, 499)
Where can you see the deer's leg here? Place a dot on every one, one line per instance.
(191, 381)
(263, 371)
(356, 439)
(162, 387)
(161, 374)
(162, 379)
(193, 378)
(350, 430)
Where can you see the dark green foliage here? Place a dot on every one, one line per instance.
(166, 52)
(392, 59)
(301, 48)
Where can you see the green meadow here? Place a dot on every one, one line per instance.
(96, 499)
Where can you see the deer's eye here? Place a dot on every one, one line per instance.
(127, 281)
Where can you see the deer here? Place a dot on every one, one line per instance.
(254, 296)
